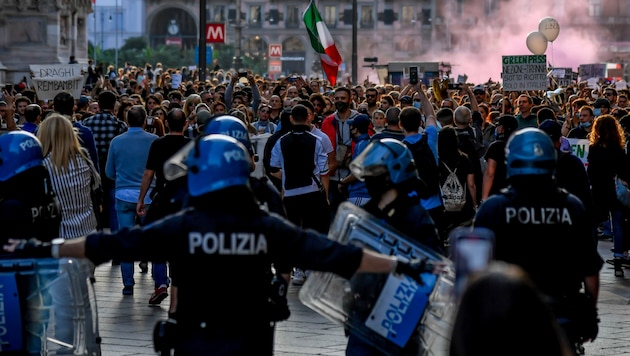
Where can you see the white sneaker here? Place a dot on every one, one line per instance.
(298, 277)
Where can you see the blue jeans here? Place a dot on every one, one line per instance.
(616, 224)
(109, 205)
(126, 213)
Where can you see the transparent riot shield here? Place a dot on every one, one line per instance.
(49, 307)
(390, 312)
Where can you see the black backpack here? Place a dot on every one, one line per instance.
(426, 166)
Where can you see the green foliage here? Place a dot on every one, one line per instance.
(136, 50)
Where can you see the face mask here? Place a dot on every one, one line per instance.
(341, 106)
(597, 111)
(585, 124)
(417, 105)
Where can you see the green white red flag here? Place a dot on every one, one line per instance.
(322, 42)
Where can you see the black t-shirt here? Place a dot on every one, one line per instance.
(464, 168)
(496, 152)
(161, 150)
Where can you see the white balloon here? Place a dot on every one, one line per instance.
(549, 27)
(536, 42)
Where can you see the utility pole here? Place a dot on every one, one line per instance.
(202, 41)
(355, 20)
(116, 13)
(238, 60)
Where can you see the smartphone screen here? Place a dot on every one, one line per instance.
(472, 250)
(413, 75)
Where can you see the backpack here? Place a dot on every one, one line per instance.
(426, 166)
(453, 193)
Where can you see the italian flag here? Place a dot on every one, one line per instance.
(322, 42)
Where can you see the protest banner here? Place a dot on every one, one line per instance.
(595, 70)
(51, 79)
(527, 72)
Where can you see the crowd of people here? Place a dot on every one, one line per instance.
(423, 161)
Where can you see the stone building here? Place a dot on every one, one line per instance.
(41, 32)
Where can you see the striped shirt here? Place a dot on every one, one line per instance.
(73, 187)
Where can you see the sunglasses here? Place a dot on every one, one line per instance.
(264, 111)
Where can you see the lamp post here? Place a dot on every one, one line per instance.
(116, 13)
(238, 60)
(355, 15)
(202, 41)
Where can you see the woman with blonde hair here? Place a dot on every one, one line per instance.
(72, 174)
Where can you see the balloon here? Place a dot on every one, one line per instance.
(536, 42)
(549, 27)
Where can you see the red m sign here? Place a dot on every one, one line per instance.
(215, 33)
(275, 50)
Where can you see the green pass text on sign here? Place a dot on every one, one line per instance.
(525, 73)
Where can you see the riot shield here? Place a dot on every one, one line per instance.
(392, 313)
(49, 307)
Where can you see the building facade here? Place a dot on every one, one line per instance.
(49, 31)
(41, 32)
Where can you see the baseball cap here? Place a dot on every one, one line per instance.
(203, 116)
(83, 101)
(601, 103)
(361, 122)
(551, 128)
(406, 99)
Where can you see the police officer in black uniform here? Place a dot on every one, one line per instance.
(544, 229)
(28, 206)
(225, 234)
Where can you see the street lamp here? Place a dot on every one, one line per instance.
(238, 60)
(116, 13)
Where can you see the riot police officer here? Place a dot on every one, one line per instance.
(28, 206)
(225, 234)
(390, 175)
(544, 229)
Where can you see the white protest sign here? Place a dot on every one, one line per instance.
(564, 76)
(51, 79)
(176, 80)
(595, 70)
(579, 148)
(527, 72)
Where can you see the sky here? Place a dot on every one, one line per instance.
(507, 35)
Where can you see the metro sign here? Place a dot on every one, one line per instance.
(215, 33)
(275, 50)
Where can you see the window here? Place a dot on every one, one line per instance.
(293, 17)
(489, 7)
(330, 16)
(388, 17)
(459, 7)
(408, 15)
(367, 16)
(255, 16)
(595, 8)
(274, 16)
(347, 17)
(232, 15)
(426, 17)
(218, 13)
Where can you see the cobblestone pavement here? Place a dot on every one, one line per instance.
(126, 322)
